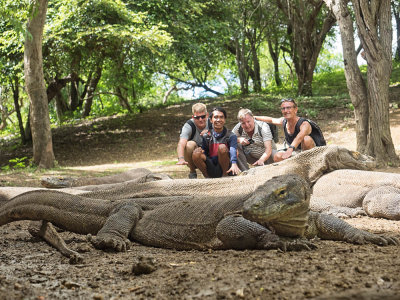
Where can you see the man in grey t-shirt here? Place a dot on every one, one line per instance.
(255, 142)
(190, 137)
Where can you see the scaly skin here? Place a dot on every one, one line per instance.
(276, 210)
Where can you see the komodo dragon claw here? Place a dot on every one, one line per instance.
(364, 237)
(111, 242)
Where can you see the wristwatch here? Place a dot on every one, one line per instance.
(293, 147)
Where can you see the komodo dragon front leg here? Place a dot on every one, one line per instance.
(236, 232)
(329, 227)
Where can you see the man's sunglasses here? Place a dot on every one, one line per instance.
(287, 100)
(199, 117)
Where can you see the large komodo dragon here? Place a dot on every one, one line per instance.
(354, 192)
(343, 192)
(277, 208)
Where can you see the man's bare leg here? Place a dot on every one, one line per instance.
(199, 159)
(190, 146)
(223, 159)
(46, 231)
(307, 143)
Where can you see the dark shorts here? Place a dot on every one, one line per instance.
(213, 170)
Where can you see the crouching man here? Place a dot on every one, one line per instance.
(191, 137)
(255, 141)
(217, 156)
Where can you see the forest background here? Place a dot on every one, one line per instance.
(65, 64)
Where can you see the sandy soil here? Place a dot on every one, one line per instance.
(30, 269)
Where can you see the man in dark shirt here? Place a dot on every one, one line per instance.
(299, 135)
(217, 156)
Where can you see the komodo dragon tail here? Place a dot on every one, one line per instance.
(71, 212)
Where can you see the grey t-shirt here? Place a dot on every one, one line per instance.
(186, 133)
(258, 148)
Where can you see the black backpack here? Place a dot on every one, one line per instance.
(316, 132)
(193, 126)
(272, 127)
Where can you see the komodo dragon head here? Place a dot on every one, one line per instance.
(57, 182)
(281, 204)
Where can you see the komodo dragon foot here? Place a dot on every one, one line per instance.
(110, 242)
(46, 231)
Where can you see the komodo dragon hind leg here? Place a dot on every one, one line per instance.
(115, 232)
(236, 232)
(332, 228)
(46, 231)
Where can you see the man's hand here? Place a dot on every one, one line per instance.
(203, 132)
(198, 150)
(182, 161)
(243, 141)
(288, 153)
(259, 162)
(234, 169)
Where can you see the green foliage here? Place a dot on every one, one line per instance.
(331, 83)
(16, 163)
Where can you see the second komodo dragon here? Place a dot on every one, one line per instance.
(274, 216)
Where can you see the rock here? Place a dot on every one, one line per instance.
(143, 265)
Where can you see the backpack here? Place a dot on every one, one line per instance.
(272, 127)
(316, 132)
(193, 126)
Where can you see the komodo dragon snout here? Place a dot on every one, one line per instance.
(281, 205)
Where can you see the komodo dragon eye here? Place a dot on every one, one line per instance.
(281, 192)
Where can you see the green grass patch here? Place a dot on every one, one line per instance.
(164, 163)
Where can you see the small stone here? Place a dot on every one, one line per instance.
(17, 286)
(98, 297)
(143, 265)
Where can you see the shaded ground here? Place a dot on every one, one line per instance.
(30, 269)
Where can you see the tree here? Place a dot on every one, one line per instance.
(43, 155)
(308, 23)
(371, 99)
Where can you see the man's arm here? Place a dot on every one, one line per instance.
(267, 153)
(305, 129)
(180, 149)
(240, 139)
(275, 121)
(233, 155)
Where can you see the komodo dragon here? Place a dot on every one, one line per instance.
(310, 165)
(278, 208)
(353, 192)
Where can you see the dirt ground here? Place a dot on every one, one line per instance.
(30, 269)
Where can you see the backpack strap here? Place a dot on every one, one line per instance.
(191, 123)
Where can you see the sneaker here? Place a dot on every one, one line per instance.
(192, 175)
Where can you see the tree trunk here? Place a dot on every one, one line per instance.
(307, 36)
(15, 88)
(275, 58)
(355, 83)
(241, 63)
(256, 67)
(375, 31)
(43, 155)
(371, 104)
(91, 89)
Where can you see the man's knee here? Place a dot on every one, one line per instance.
(198, 156)
(222, 149)
(190, 146)
(308, 143)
